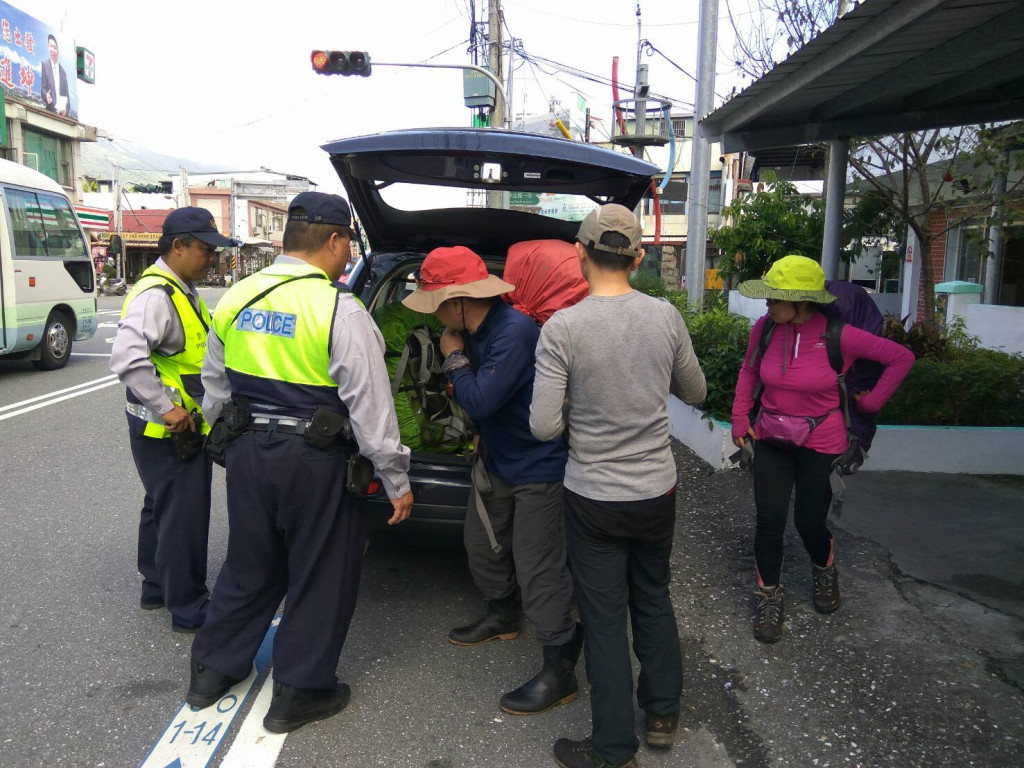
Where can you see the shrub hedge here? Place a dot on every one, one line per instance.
(969, 386)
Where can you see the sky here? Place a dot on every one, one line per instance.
(230, 83)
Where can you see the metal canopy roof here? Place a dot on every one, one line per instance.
(886, 67)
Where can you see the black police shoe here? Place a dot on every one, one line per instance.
(554, 684)
(501, 622)
(206, 686)
(151, 603)
(292, 708)
(581, 754)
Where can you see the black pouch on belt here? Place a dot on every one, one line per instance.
(233, 422)
(188, 444)
(326, 428)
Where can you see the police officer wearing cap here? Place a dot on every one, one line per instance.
(291, 358)
(158, 354)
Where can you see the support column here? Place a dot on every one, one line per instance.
(700, 159)
(994, 262)
(835, 198)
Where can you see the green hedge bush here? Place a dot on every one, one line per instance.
(968, 386)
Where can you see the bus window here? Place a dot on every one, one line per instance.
(27, 223)
(44, 225)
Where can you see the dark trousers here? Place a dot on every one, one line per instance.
(777, 472)
(529, 525)
(620, 559)
(294, 531)
(174, 528)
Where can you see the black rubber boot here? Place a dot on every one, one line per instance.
(206, 686)
(292, 708)
(501, 622)
(555, 683)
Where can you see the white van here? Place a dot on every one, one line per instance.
(47, 279)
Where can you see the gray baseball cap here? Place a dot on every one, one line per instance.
(611, 218)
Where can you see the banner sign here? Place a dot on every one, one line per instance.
(37, 64)
(132, 238)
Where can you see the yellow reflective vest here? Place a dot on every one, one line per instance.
(179, 371)
(276, 329)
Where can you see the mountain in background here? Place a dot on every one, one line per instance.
(139, 165)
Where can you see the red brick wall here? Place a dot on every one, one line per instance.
(937, 253)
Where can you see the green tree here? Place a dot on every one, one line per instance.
(766, 226)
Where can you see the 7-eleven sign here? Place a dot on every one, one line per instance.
(86, 65)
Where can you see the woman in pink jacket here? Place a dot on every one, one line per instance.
(800, 429)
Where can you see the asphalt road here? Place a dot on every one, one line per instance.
(910, 671)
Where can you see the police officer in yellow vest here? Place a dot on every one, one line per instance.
(293, 357)
(158, 354)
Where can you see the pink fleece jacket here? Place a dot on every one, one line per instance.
(799, 381)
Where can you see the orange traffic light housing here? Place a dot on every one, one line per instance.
(341, 63)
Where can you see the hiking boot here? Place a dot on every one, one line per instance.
(292, 708)
(661, 729)
(555, 683)
(826, 588)
(206, 686)
(501, 622)
(768, 620)
(581, 754)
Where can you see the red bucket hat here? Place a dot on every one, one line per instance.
(452, 273)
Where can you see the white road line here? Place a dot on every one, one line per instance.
(192, 738)
(109, 312)
(59, 391)
(107, 325)
(194, 735)
(90, 354)
(255, 746)
(54, 400)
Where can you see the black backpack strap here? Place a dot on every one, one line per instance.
(762, 347)
(833, 337)
(272, 288)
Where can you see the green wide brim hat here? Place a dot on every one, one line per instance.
(791, 278)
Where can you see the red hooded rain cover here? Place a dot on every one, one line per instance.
(547, 277)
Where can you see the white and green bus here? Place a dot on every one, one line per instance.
(47, 279)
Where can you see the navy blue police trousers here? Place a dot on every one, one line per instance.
(293, 531)
(174, 527)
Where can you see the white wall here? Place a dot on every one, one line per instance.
(752, 309)
(998, 327)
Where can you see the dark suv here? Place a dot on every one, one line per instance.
(417, 190)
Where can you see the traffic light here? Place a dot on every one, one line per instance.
(341, 63)
(116, 246)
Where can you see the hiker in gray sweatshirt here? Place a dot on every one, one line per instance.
(615, 356)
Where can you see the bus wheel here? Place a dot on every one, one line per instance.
(55, 348)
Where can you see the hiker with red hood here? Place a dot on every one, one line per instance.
(515, 525)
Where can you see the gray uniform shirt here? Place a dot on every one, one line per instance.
(151, 324)
(616, 358)
(356, 362)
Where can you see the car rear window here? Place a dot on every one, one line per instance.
(423, 197)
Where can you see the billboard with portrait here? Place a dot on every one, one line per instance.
(37, 63)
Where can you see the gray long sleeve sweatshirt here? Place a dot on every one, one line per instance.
(616, 358)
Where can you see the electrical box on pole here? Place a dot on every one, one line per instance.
(477, 90)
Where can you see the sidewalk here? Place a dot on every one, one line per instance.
(921, 666)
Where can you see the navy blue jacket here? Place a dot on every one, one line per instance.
(496, 393)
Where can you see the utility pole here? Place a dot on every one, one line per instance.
(119, 259)
(496, 198)
(494, 58)
(184, 200)
(700, 161)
